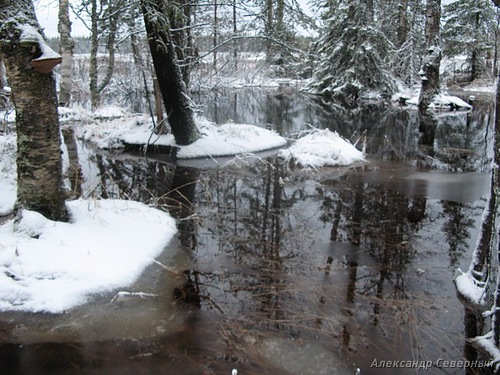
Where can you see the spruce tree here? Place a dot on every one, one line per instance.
(469, 29)
(352, 55)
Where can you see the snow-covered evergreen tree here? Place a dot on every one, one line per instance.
(352, 56)
(403, 22)
(469, 30)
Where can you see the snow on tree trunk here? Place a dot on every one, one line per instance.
(432, 60)
(429, 72)
(495, 196)
(34, 96)
(66, 45)
(179, 13)
(402, 30)
(168, 72)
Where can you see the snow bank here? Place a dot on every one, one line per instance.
(48, 266)
(231, 139)
(442, 101)
(215, 141)
(322, 148)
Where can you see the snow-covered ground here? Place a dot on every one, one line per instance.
(229, 139)
(48, 266)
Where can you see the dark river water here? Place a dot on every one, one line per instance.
(278, 270)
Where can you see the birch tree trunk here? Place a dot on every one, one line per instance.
(168, 72)
(39, 171)
(66, 46)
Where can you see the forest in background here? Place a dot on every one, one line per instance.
(379, 45)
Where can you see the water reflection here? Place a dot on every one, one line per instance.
(336, 255)
(392, 132)
(296, 272)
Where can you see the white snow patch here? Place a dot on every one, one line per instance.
(470, 288)
(487, 342)
(29, 33)
(322, 148)
(231, 139)
(109, 112)
(48, 266)
(442, 101)
(215, 141)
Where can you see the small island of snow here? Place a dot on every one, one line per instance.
(321, 148)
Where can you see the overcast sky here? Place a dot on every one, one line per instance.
(47, 16)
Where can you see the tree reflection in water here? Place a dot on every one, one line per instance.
(359, 260)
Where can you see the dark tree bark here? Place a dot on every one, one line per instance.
(168, 72)
(432, 59)
(430, 72)
(180, 21)
(402, 22)
(495, 206)
(215, 38)
(34, 96)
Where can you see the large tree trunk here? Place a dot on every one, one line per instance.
(168, 72)
(430, 72)
(66, 45)
(34, 95)
(432, 59)
(402, 22)
(180, 21)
